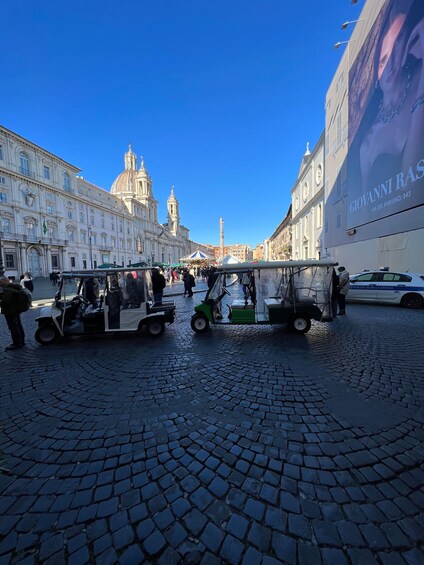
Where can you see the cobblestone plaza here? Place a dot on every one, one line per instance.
(242, 445)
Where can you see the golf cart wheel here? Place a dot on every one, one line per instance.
(412, 301)
(46, 335)
(300, 324)
(155, 327)
(199, 323)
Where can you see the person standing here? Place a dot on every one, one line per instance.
(334, 293)
(189, 283)
(9, 308)
(158, 283)
(89, 292)
(343, 289)
(114, 303)
(27, 282)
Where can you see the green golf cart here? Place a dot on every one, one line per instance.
(274, 292)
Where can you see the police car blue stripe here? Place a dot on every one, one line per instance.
(377, 286)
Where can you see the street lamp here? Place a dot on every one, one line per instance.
(344, 26)
(337, 45)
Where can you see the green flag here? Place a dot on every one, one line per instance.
(44, 227)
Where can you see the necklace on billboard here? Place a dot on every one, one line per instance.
(387, 117)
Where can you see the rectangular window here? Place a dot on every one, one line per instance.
(338, 221)
(5, 225)
(10, 260)
(66, 183)
(73, 262)
(2, 180)
(3, 196)
(46, 172)
(70, 214)
(1, 152)
(49, 209)
(71, 235)
(84, 263)
(82, 237)
(55, 261)
(81, 217)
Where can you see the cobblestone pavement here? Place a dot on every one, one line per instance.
(242, 445)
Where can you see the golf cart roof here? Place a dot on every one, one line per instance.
(101, 272)
(250, 266)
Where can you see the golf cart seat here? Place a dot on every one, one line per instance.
(274, 308)
(304, 298)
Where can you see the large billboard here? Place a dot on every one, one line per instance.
(386, 116)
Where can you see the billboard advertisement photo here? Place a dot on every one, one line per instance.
(386, 116)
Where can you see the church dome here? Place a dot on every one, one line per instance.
(125, 182)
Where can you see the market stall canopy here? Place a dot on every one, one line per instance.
(196, 256)
(229, 260)
(109, 266)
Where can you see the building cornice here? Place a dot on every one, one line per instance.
(30, 145)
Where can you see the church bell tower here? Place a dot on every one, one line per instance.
(173, 213)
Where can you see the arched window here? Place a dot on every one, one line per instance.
(24, 164)
(319, 216)
(66, 182)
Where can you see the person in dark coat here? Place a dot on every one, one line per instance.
(9, 309)
(158, 283)
(90, 291)
(189, 283)
(334, 293)
(114, 302)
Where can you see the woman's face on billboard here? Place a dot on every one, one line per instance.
(391, 54)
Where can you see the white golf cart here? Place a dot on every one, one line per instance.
(125, 304)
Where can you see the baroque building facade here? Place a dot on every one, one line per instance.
(280, 244)
(308, 205)
(52, 219)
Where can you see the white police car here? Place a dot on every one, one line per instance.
(387, 287)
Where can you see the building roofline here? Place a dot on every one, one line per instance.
(16, 135)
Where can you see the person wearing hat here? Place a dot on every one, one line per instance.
(343, 289)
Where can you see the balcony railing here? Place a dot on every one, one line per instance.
(25, 238)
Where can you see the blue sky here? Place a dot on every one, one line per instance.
(219, 97)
